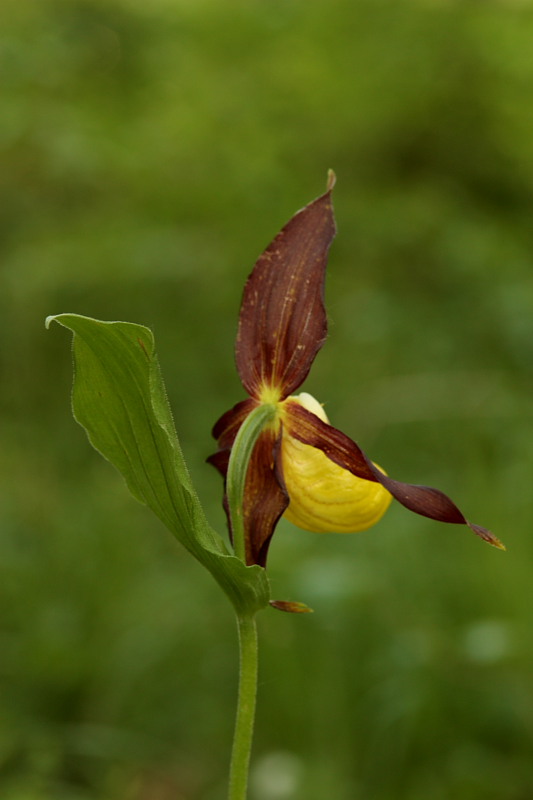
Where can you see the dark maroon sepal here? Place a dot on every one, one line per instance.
(265, 497)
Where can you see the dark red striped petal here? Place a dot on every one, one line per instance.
(282, 323)
(424, 500)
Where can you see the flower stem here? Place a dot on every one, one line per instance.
(241, 453)
(244, 723)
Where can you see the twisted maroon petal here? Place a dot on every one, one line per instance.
(282, 323)
(309, 429)
(227, 426)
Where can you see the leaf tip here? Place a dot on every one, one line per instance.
(331, 181)
(48, 321)
(291, 607)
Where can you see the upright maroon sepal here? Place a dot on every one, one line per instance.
(282, 323)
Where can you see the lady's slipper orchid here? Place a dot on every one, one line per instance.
(302, 466)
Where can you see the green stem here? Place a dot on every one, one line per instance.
(241, 452)
(244, 723)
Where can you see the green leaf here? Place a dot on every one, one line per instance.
(120, 400)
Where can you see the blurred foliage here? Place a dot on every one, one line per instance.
(148, 153)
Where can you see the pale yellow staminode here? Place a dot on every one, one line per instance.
(324, 497)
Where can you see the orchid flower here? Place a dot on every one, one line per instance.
(301, 466)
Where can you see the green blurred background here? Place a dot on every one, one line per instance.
(148, 154)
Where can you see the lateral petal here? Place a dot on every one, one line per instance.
(282, 323)
(226, 427)
(309, 429)
(224, 431)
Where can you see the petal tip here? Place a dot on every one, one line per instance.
(487, 536)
